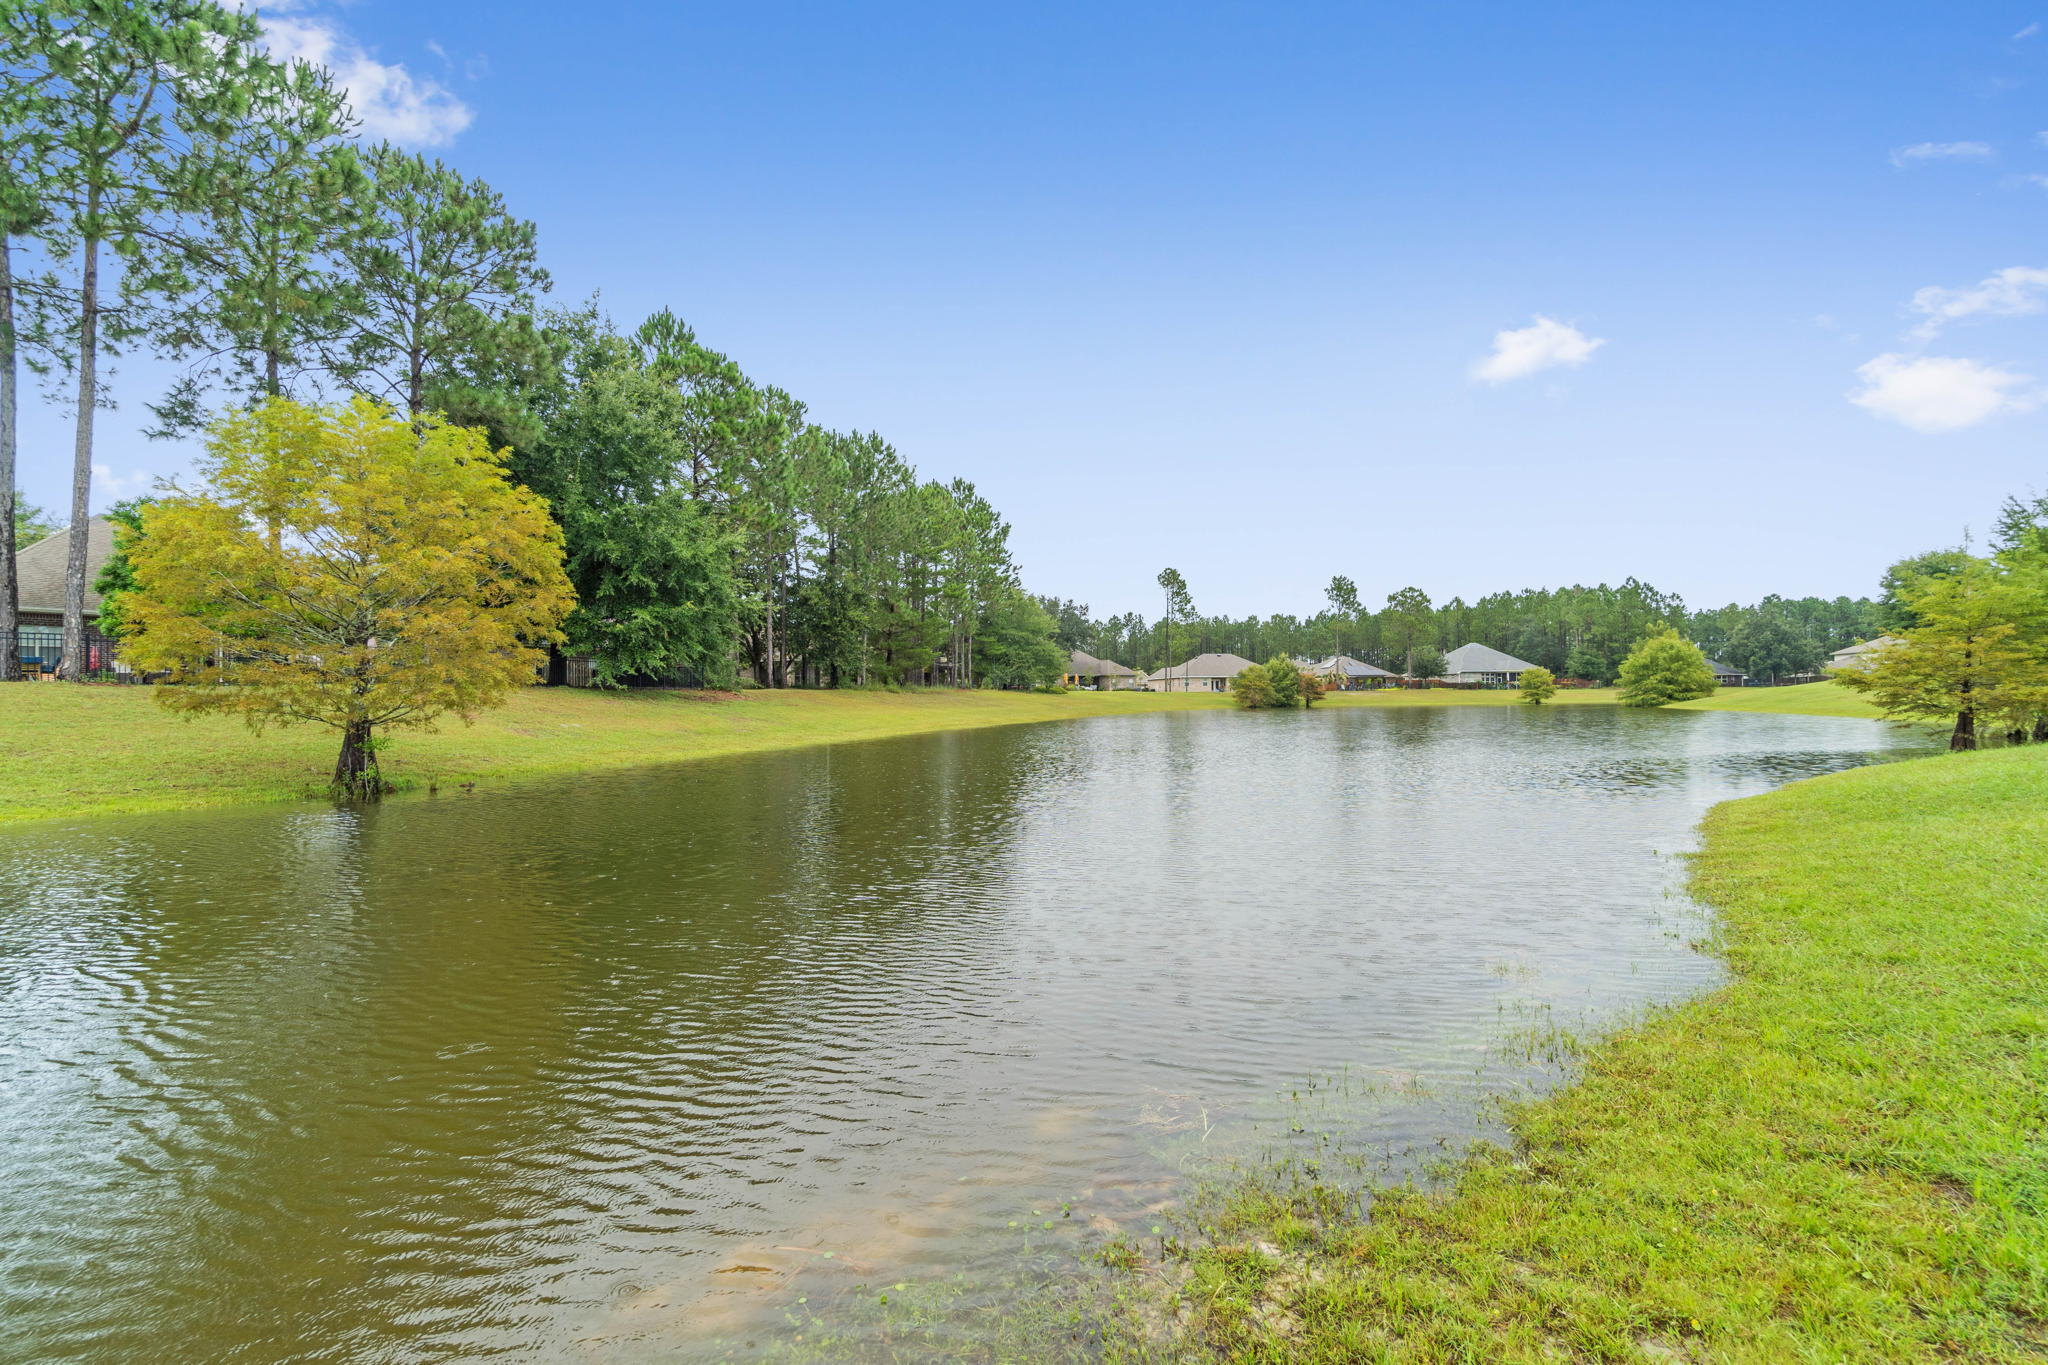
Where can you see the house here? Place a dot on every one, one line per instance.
(1724, 676)
(1104, 675)
(1485, 666)
(1861, 655)
(39, 579)
(1203, 673)
(1346, 674)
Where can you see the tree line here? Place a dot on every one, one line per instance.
(169, 185)
(1575, 632)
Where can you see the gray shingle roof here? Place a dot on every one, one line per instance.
(1349, 667)
(1088, 666)
(1204, 666)
(1722, 670)
(1478, 658)
(39, 569)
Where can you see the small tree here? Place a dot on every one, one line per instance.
(1539, 685)
(346, 567)
(1253, 689)
(1312, 689)
(1664, 668)
(1426, 661)
(1285, 678)
(117, 576)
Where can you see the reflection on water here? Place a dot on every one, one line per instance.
(623, 1065)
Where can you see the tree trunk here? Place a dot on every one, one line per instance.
(1964, 736)
(2041, 729)
(355, 771)
(72, 669)
(10, 592)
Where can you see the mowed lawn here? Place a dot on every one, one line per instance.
(1840, 1156)
(75, 750)
(1807, 699)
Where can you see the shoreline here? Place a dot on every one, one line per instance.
(85, 751)
(1795, 1165)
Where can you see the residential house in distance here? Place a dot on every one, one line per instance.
(1862, 654)
(1346, 674)
(39, 575)
(1104, 675)
(1484, 666)
(1203, 673)
(1724, 676)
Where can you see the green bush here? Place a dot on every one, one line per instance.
(1665, 668)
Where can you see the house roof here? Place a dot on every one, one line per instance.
(1349, 667)
(1865, 646)
(39, 569)
(1477, 658)
(1204, 666)
(1088, 666)
(1724, 671)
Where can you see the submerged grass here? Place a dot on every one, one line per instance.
(1840, 1156)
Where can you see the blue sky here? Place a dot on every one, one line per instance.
(1736, 299)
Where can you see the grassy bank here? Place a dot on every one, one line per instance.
(1840, 1156)
(1807, 699)
(101, 750)
(70, 750)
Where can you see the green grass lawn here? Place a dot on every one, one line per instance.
(1451, 696)
(70, 750)
(1840, 1156)
(1807, 699)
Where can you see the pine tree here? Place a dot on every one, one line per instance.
(127, 93)
(438, 271)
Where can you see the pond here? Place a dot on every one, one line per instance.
(665, 1063)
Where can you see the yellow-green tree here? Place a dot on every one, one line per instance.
(1539, 685)
(1975, 655)
(344, 566)
(1252, 689)
(1665, 668)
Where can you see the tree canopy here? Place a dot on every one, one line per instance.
(347, 567)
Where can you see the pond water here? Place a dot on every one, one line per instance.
(628, 1067)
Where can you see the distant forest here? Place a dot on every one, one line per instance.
(1576, 632)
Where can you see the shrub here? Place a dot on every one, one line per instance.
(1665, 668)
(1253, 689)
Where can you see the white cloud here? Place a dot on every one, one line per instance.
(1541, 345)
(1940, 151)
(2029, 31)
(1940, 393)
(2013, 292)
(118, 486)
(414, 111)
